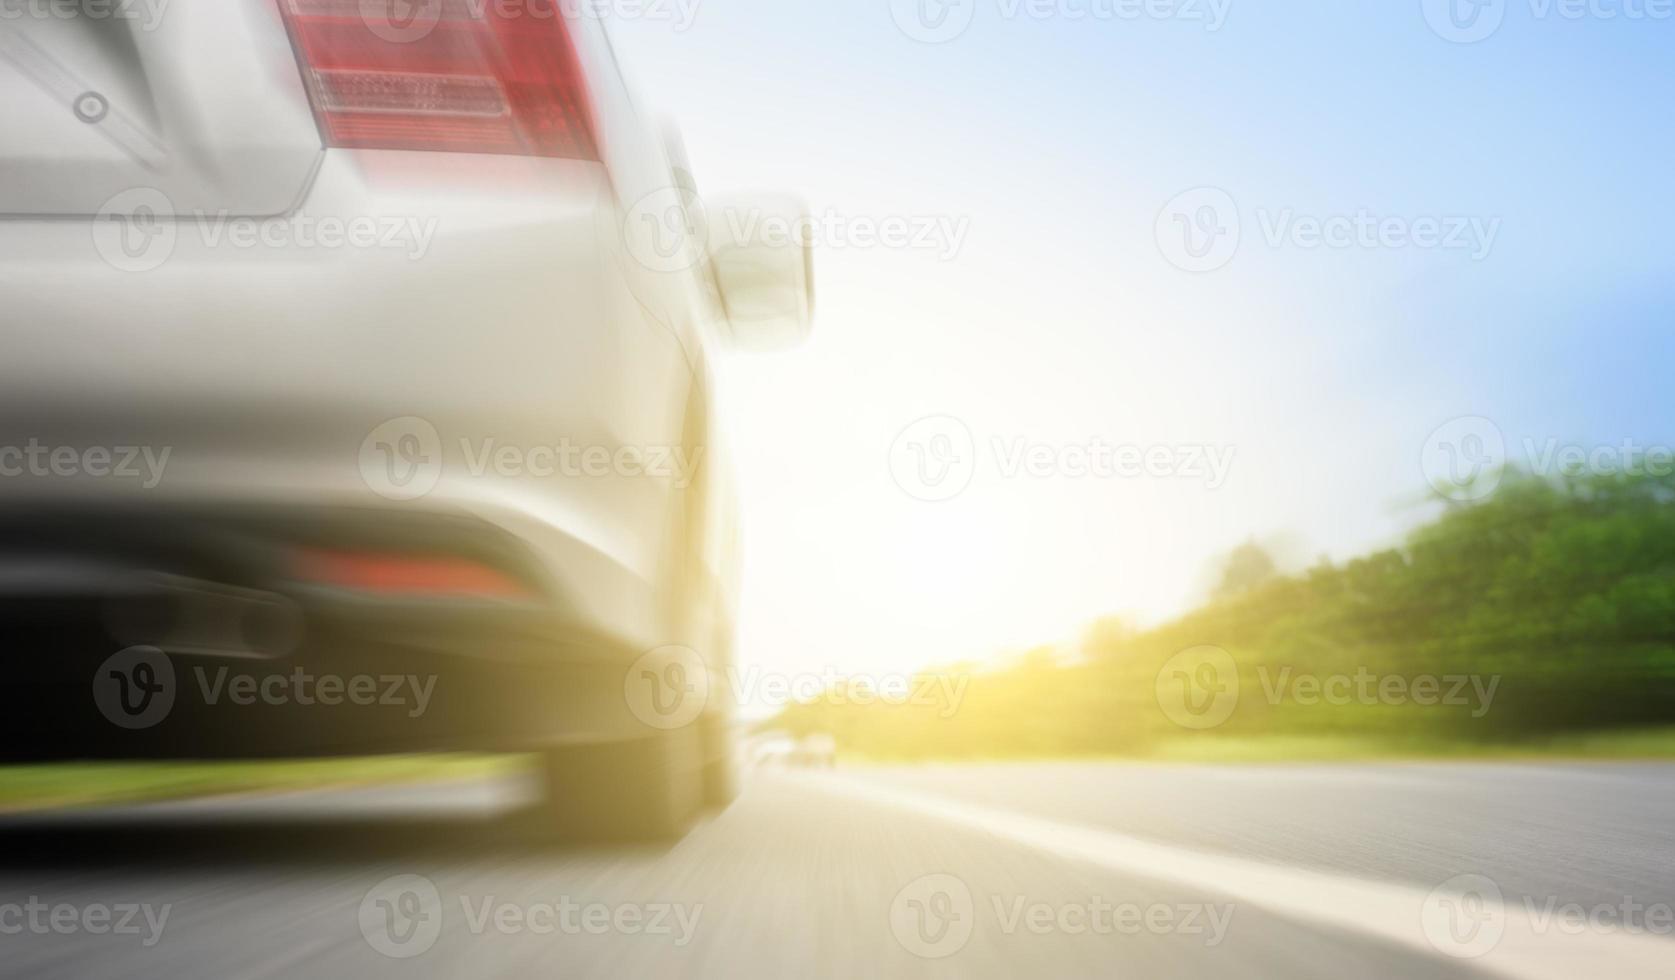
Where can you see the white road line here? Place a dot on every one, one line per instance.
(1390, 912)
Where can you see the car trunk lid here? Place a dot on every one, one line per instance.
(199, 101)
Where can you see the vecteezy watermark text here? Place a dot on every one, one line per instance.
(1466, 458)
(145, 14)
(1470, 21)
(138, 688)
(671, 686)
(38, 460)
(405, 459)
(139, 230)
(1466, 917)
(671, 230)
(935, 916)
(402, 917)
(37, 917)
(1201, 230)
(302, 687)
(410, 21)
(935, 459)
(941, 21)
(1199, 688)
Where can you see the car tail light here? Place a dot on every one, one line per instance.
(408, 576)
(458, 75)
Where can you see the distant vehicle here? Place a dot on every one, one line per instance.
(771, 749)
(815, 752)
(319, 422)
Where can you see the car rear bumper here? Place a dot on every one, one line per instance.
(269, 380)
(260, 660)
(342, 692)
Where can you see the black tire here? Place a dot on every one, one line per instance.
(647, 789)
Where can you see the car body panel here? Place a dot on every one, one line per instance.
(201, 101)
(278, 363)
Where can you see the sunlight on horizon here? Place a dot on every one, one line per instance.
(1059, 323)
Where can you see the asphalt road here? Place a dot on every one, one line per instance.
(1043, 871)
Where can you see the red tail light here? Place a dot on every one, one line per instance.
(413, 576)
(467, 76)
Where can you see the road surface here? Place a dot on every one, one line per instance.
(1039, 870)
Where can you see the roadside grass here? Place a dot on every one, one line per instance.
(1647, 744)
(1651, 743)
(63, 785)
(67, 785)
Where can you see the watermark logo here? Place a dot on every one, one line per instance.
(1464, 459)
(1097, 459)
(567, 917)
(138, 688)
(1199, 230)
(933, 21)
(405, 459)
(1464, 21)
(40, 918)
(667, 688)
(677, 465)
(671, 230)
(933, 917)
(667, 231)
(941, 21)
(1101, 917)
(682, 14)
(1470, 21)
(146, 15)
(402, 459)
(1364, 687)
(1367, 231)
(144, 465)
(135, 231)
(830, 686)
(401, 21)
(409, 21)
(1198, 688)
(410, 692)
(934, 459)
(135, 689)
(1464, 917)
(401, 917)
(670, 687)
(408, 234)
(139, 230)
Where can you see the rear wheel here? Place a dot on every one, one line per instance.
(647, 789)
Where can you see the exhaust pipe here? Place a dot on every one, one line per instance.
(180, 615)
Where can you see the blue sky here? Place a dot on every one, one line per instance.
(1059, 143)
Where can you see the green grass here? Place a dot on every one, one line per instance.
(1655, 743)
(90, 784)
(1637, 744)
(1646, 743)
